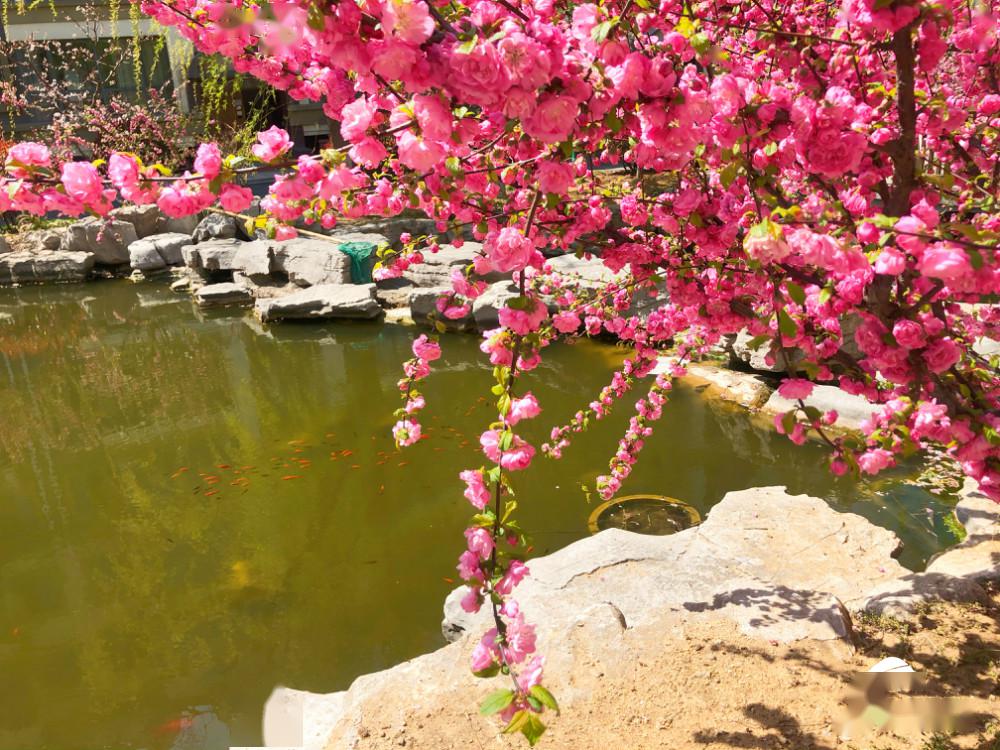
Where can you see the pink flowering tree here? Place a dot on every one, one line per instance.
(823, 176)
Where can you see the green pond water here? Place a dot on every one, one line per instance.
(195, 510)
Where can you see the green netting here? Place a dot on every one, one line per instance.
(359, 253)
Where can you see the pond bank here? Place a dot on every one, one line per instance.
(707, 638)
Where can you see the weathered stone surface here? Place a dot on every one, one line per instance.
(227, 293)
(977, 558)
(213, 255)
(392, 293)
(391, 228)
(745, 389)
(756, 359)
(147, 220)
(183, 225)
(254, 259)
(486, 307)
(44, 266)
(310, 262)
(852, 410)
(4, 247)
(423, 309)
(107, 240)
(217, 226)
(51, 239)
(587, 598)
(322, 301)
(904, 596)
(436, 268)
(590, 273)
(158, 251)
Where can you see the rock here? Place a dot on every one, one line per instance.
(226, 293)
(52, 239)
(309, 262)
(182, 225)
(390, 228)
(213, 255)
(107, 240)
(745, 389)
(423, 310)
(182, 284)
(903, 597)
(218, 226)
(322, 301)
(4, 246)
(756, 359)
(392, 293)
(735, 564)
(590, 273)
(977, 557)
(254, 259)
(147, 220)
(158, 251)
(486, 307)
(44, 266)
(399, 316)
(985, 347)
(852, 410)
(436, 268)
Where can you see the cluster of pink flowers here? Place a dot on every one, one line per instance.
(407, 430)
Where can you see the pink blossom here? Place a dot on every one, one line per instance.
(426, 349)
(517, 457)
(271, 144)
(476, 491)
(509, 250)
(566, 322)
(208, 162)
(408, 20)
(525, 407)
(406, 432)
(553, 119)
(29, 154)
(523, 321)
(795, 388)
(941, 354)
(235, 198)
(479, 541)
(874, 460)
(82, 182)
(945, 261)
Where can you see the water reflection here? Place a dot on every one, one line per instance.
(196, 509)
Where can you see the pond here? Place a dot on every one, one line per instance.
(196, 509)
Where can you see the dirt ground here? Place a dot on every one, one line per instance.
(707, 686)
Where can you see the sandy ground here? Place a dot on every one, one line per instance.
(706, 685)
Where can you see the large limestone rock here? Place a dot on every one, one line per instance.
(745, 389)
(147, 220)
(591, 597)
(4, 247)
(851, 410)
(734, 564)
(108, 241)
(157, 251)
(590, 273)
(226, 293)
(213, 255)
(322, 301)
(44, 266)
(436, 268)
(309, 262)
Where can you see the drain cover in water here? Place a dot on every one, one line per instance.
(644, 514)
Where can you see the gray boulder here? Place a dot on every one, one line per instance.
(147, 220)
(213, 255)
(217, 226)
(589, 273)
(423, 310)
(4, 246)
(322, 301)
(486, 307)
(254, 259)
(310, 262)
(977, 557)
(228, 293)
(748, 390)
(157, 251)
(44, 266)
(436, 268)
(107, 240)
(393, 293)
(183, 225)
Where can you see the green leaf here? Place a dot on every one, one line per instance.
(758, 341)
(506, 440)
(600, 32)
(796, 292)
(786, 325)
(491, 671)
(517, 721)
(453, 165)
(467, 46)
(825, 294)
(533, 729)
(788, 422)
(496, 701)
(543, 696)
(771, 149)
